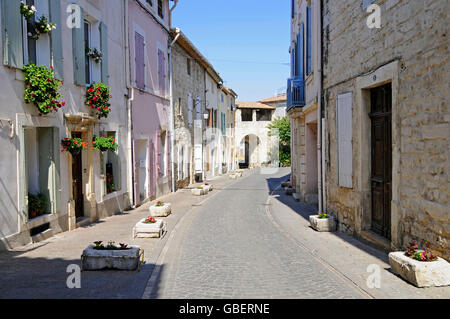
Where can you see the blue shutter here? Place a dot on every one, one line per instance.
(104, 50)
(301, 52)
(56, 39)
(79, 53)
(12, 35)
(308, 40)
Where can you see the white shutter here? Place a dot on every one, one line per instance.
(344, 136)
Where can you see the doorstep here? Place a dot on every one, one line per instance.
(83, 221)
(376, 240)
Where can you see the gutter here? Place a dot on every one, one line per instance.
(321, 123)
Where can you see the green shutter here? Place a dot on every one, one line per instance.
(12, 35)
(57, 170)
(79, 53)
(56, 39)
(104, 50)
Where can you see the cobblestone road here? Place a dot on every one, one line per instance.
(229, 248)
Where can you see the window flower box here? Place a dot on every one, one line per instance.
(119, 258)
(160, 209)
(323, 224)
(154, 229)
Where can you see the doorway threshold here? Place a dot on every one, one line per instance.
(83, 221)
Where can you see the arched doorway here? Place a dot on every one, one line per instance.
(250, 152)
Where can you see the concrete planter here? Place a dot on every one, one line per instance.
(323, 224)
(420, 273)
(233, 176)
(128, 259)
(199, 192)
(161, 211)
(209, 188)
(239, 174)
(156, 230)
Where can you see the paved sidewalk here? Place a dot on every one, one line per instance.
(39, 270)
(343, 253)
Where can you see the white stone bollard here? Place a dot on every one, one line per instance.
(161, 211)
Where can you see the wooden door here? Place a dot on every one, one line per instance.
(381, 175)
(77, 181)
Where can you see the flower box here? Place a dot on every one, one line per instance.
(234, 176)
(420, 273)
(199, 191)
(323, 224)
(208, 187)
(127, 259)
(161, 211)
(155, 230)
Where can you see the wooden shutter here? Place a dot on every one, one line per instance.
(56, 46)
(344, 136)
(57, 170)
(300, 52)
(104, 50)
(198, 108)
(79, 53)
(12, 34)
(140, 60)
(190, 107)
(161, 72)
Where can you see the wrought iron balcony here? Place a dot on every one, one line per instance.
(295, 93)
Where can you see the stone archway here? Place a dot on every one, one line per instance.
(250, 149)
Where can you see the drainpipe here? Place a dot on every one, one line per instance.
(170, 13)
(320, 131)
(171, 110)
(130, 98)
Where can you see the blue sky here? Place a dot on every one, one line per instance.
(247, 41)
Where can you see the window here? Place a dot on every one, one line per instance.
(150, 3)
(247, 115)
(111, 168)
(163, 157)
(222, 98)
(87, 40)
(263, 115)
(162, 72)
(223, 123)
(161, 9)
(140, 60)
(300, 53)
(344, 139)
(188, 62)
(308, 39)
(30, 41)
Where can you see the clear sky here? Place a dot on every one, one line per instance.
(247, 41)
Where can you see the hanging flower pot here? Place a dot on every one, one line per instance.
(41, 88)
(97, 98)
(27, 11)
(73, 145)
(104, 144)
(44, 26)
(94, 54)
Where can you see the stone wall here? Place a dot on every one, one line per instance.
(414, 37)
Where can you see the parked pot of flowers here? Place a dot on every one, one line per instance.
(37, 205)
(105, 143)
(160, 209)
(27, 11)
(97, 98)
(421, 268)
(73, 145)
(94, 54)
(41, 88)
(149, 228)
(323, 222)
(208, 187)
(110, 256)
(199, 191)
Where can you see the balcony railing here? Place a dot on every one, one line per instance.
(295, 93)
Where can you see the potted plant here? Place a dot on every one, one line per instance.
(149, 228)
(94, 54)
(323, 222)
(161, 209)
(420, 267)
(208, 187)
(110, 256)
(41, 88)
(105, 143)
(97, 98)
(199, 191)
(27, 11)
(37, 205)
(73, 145)
(44, 26)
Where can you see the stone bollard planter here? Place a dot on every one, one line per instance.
(143, 230)
(420, 273)
(127, 259)
(209, 187)
(161, 211)
(199, 191)
(323, 224)
(234, 176)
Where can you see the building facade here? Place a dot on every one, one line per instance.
(304, 96)
(386, 99)
(77, 189)
(148, 36)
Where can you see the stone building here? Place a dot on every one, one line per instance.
(386, 93)
(78, 188)
(148, 79)
(303, 100)
(279, 102)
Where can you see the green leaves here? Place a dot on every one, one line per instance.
(105, 143)
(282, 126)
(97, 98)
(41, 88)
